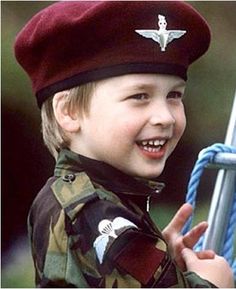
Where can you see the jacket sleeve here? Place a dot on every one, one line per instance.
(196, 281)
(115, 248)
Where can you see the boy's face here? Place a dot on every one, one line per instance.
(134, 123)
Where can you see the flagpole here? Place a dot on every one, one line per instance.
(223, 194)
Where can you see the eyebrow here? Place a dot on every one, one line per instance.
(140, 86)
(180, 84)
(143, 86)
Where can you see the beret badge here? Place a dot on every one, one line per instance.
(161, 36)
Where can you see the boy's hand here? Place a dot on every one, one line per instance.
(215, 270)
(178, 242)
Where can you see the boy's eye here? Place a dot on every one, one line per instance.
(139, 96)
(175, 95)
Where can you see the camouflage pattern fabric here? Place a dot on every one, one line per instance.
(88, 228)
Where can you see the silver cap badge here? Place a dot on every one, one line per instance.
(162, 36)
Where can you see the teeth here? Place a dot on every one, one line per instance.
(162, 142)
(152, 143)
(151, 150)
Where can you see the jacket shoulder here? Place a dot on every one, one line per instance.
(73, 191)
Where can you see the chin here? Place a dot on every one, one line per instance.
(150, 174)
(141, 170)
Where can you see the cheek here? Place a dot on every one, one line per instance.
(128, 128)
(180, 123)
(110, 130)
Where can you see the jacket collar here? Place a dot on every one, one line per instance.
(105, 175)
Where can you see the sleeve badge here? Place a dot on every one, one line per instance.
(109, 231)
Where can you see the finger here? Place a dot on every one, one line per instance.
(180, 263)
(192, 237)
(207, 254)
(179, 219)
(189, 256)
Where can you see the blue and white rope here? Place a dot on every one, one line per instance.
(205, 157)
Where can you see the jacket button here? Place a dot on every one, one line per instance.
(69, 178)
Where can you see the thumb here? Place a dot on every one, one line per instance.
(189, 256)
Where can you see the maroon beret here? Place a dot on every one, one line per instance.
(74, 42)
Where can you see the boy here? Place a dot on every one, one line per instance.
(110, 78)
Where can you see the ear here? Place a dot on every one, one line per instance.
(68, 121)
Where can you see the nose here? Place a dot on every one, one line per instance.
(161, 115)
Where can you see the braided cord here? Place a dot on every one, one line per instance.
(205, 157)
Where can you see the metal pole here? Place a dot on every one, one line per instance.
(225, 161)
(223, 194)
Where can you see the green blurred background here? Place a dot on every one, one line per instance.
(26, 163)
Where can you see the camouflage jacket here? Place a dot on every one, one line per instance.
(88, 227)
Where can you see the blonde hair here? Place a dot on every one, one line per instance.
(76, 99)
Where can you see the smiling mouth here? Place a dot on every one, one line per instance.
(152, 145)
